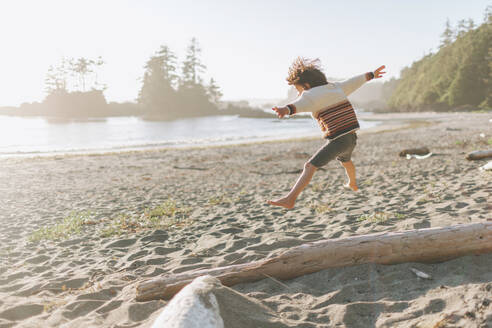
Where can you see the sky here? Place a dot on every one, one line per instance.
(247, 46)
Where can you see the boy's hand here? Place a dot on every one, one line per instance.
(378, 73)
(281, 111)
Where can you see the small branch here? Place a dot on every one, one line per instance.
(191, 168)
(284, 172)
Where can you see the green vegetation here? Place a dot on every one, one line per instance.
(223, 199)
(164, 216)
(399, 216)
(320, 208)
(458, 76)
(71, 225)
(432, 194)
(73, 75)
(167, 209)
(167, 215)
(317, 187)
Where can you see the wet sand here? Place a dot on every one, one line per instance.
(137, 215)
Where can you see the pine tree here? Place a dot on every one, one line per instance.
(487, 16)
(157, 92)
(54, 82)
(98, 86)
(168, 64)
(461, 28)
(192, 66)
(214, 92)
(82, 67)
(447, 37)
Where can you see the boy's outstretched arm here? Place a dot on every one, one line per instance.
(350, 85)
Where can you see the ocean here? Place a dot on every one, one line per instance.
(33, 136)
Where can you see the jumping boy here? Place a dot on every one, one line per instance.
(328, 104)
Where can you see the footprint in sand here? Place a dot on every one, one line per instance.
(22, 312)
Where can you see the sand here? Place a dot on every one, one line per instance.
(87, 278)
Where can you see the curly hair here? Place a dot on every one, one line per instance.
(305, 70)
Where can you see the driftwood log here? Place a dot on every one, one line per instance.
(422, 245)
(414, 151)
(206, 303)
(195, 306)
(474, 155)
(486, 167)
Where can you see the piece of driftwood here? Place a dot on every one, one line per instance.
(414, 151)
(481, 154)
(422, 245)
(486, 167)
(421, 274)
(195, 306)
(419, 156)
(206, 303)
(190, 168)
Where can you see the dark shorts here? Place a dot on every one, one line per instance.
(341, 148)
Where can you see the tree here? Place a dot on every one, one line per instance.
(192, 66)
(83, 69)
(71, 75)
(167, 63)
(487, 16)
(157, 91)
(447, 36)
(56, 79)
(487, 103)
(98, 63)
(462, 28)
(214, 92)
(80, 68)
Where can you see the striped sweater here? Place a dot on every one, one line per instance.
(329, 105)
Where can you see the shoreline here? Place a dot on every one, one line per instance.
(387, 122)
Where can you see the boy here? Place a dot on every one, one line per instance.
(328, 104)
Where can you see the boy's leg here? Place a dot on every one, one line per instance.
(350, 171)
(289, 200)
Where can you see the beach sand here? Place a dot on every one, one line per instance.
(136, 215)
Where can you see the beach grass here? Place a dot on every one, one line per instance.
(320, 208)
(70, 225)
(223, 199)
(168, 208)
(380, 217)
(163, 216)
(317, 187)
(166, 215)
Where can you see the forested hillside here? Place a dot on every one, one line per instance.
(458, 76)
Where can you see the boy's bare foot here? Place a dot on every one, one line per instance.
(351, 186)
(283, 202)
